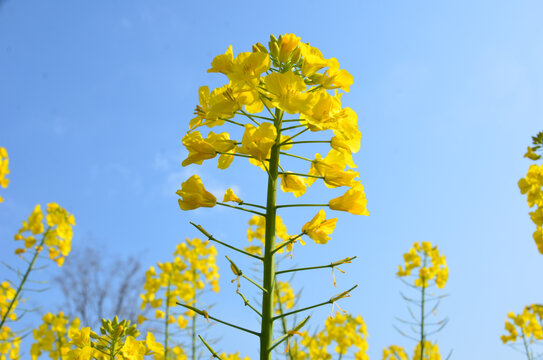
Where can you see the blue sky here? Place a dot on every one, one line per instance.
(96, 96)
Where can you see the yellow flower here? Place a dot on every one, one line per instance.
(353, 201)
(258, 141)
(530, 154)
(218, 105)
(259, 232)
(235, 356)
(331, 167)
(337, 178)
(7, 296)
(293, 184)
(194, 195)
(4, 170)
(199, 149)
(313, 60)
(538, 238)
(9, 344)
(435, 266)
(431, 351)
(223, 63)
(286, 296)
(153, 345)
(342, 146)
(230, 196)
(52, 335)
(247, 68)
(133, 349)
(334, 78)
(34, 223)
(289, 42)
(343, 329)
(287, 92)
(58, 236)
(394, 352)
(319, 228)
(532, 185)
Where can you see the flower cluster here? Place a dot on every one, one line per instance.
(344, 330)
(257, 230)
(235, 356)
(117, 340)
(292, 77)
(10, 344)
(52, 336)
(9, 341)
(430, 352)
(532, 186)
(394, 352)
(432, 266)
(4, 170)
(57, 237)
(284, 297)
(192, 269)
(7, 300)
(527, 323)
(263, 88)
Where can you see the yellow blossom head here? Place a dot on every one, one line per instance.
(430, 263)
(194, 195)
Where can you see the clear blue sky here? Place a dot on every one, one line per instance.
(96, 96)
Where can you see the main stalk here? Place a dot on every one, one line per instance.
(266, 333)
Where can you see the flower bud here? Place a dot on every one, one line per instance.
(296, 55)
(234, 268)
(261, 47)
(274, 49)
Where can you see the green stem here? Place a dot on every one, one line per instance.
(289, 333)
(254, 205)
(267, 108)
(253, 282)
(266, 334)
(302, 309)
(211, 238)
(289, 241)
(295, 156)
(234, 154)
(528, 353)
(166, 325)
(213, 352)
(292, 120)
(240, 208)
(300, 174)
(25, 277)
(243, 112)
(308, 142)
(59, 340)
(292, 127)
(423, 291)
(286, 142)
(347, 260)
(283, 320)
(250, 117)
(297, 205)
(233, 122)
(306, 268)
(193, 328)
(248, 304)
(218, 320)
